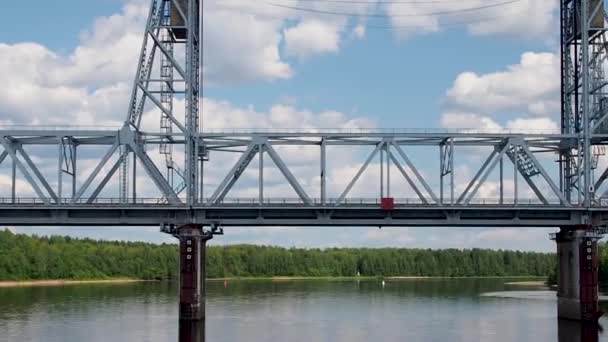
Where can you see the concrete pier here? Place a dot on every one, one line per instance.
(192, 250)
(577, 293)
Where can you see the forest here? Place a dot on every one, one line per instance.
(24, 257)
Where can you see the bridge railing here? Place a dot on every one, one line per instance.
(291, 202)
(249, 131)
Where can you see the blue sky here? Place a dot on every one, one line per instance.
(434, 75)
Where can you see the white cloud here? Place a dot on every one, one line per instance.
(311, 37)
(530, 19)
(531, 86)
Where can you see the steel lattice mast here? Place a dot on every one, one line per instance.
(584, 97)
(171, 47)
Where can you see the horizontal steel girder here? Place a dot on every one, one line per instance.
(293, 216)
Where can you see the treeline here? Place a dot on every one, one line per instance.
(25, 257)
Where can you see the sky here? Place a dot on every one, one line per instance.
(483, 64)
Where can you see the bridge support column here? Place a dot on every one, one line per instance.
(577, 281)
(192, 253)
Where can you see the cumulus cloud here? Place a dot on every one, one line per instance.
(311, 37)
(523, 97)
(535, 19)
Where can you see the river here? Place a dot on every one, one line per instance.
(337, 311)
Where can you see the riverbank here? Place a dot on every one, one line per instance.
(528, 279)
(45, 283)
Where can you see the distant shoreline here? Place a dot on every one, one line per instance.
(60, 282)
(284, 278)
(51, 283)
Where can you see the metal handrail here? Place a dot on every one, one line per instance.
(287, 201)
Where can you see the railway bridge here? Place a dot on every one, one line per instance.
(541, 179)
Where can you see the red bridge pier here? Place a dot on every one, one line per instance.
(577, 281)
(192, 257)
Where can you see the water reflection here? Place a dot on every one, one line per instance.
(572, 331)
(191, 331)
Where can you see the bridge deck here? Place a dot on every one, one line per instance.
(291, 212)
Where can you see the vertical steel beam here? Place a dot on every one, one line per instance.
(586, 101)
(134, 186)
(501, 180)
(75, 169)
(14, 182)
(261, 174)
(388, 172)
(441, 170)
(60, 171)
(323, 171)
(452, 185)
(382, 171)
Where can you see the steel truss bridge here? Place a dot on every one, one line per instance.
(514, 156)
(164, 135)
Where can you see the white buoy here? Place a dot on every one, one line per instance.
(383, 283)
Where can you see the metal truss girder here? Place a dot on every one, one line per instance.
(38, 174)
(107, 178)
(234, 174)
(162, 108)
(529, 181)
(545, 175)
(408, 178)
(174, 63)
(12, 151)
(95, 173)
(415, 171)
(477, 175)
(487, 172)
(154, 174)
(3, 157)
(287, 174)
(360, 172)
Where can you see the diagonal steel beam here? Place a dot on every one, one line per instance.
(234, 174)
(106, 178)
(8, 147)
(489, 169)
(95, 173)
(545, 174)
(407, 178)
(288, 175)
(530, 183)
(476, 177)
(162, 108)
(3, 156)
(415, 171)
(360, 172)
(601, 179)
(38, 174)
(153, 172)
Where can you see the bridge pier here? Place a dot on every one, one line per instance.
(192, 252)
(577, 281)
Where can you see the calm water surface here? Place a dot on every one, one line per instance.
(337, 311)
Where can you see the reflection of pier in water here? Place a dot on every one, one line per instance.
(573, 331)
